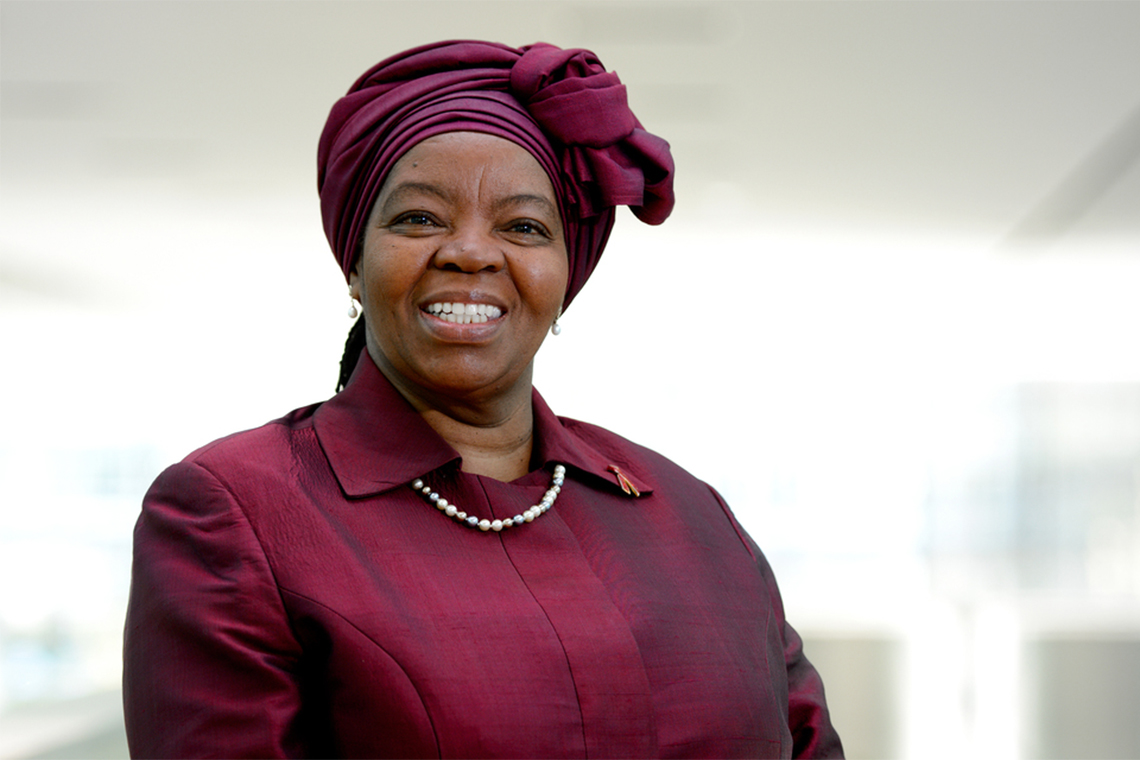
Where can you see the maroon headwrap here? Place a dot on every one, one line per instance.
(560, 105)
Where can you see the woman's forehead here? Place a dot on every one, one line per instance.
(457, 162)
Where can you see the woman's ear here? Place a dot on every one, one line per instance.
(355, 305)
(354, 284)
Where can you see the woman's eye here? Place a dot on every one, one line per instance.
(529, 227)
(414, 219)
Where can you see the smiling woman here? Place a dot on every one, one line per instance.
(299, 590)
(462, 272)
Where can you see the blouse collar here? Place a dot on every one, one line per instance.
(375, 441)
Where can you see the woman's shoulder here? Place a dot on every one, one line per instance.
(262, 447)
(241, 477)
(605, 439)
(672, 486)
(637, 459)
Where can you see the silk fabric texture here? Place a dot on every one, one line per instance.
(560, 105)
(292, 596)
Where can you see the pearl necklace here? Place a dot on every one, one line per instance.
(472, 521)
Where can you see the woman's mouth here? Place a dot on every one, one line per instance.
(464, 313)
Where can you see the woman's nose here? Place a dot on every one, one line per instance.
(471, 252)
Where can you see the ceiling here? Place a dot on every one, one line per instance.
(1009, 121)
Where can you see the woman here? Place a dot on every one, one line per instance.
(431, 564)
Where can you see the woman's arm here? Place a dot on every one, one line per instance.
(209, 657)
(813, 736)
(808, 717)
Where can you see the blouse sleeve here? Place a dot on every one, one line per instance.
(210, 660)
(813, 736)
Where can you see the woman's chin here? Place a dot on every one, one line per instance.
(467, 377)
(472, 383)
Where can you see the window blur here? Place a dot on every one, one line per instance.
(893, 321)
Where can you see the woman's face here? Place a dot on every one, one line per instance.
(465, 222)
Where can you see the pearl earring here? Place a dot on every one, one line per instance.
(556, 329)
(353, 307)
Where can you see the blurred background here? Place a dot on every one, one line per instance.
(893, 320)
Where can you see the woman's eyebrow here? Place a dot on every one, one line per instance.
(524, 198)
(410, 188)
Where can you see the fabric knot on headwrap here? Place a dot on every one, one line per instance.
(583, 106)
(564, 89)
(562, 106)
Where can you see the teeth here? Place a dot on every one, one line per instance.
(464, 313)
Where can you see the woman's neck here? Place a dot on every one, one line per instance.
(493, 432)
(501, 450)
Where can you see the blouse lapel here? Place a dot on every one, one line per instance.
(374, 440)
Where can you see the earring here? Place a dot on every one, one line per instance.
(353, 307)
(556, 329)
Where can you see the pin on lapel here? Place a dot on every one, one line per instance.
(623, 481)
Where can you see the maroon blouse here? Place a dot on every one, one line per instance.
(293, 597)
